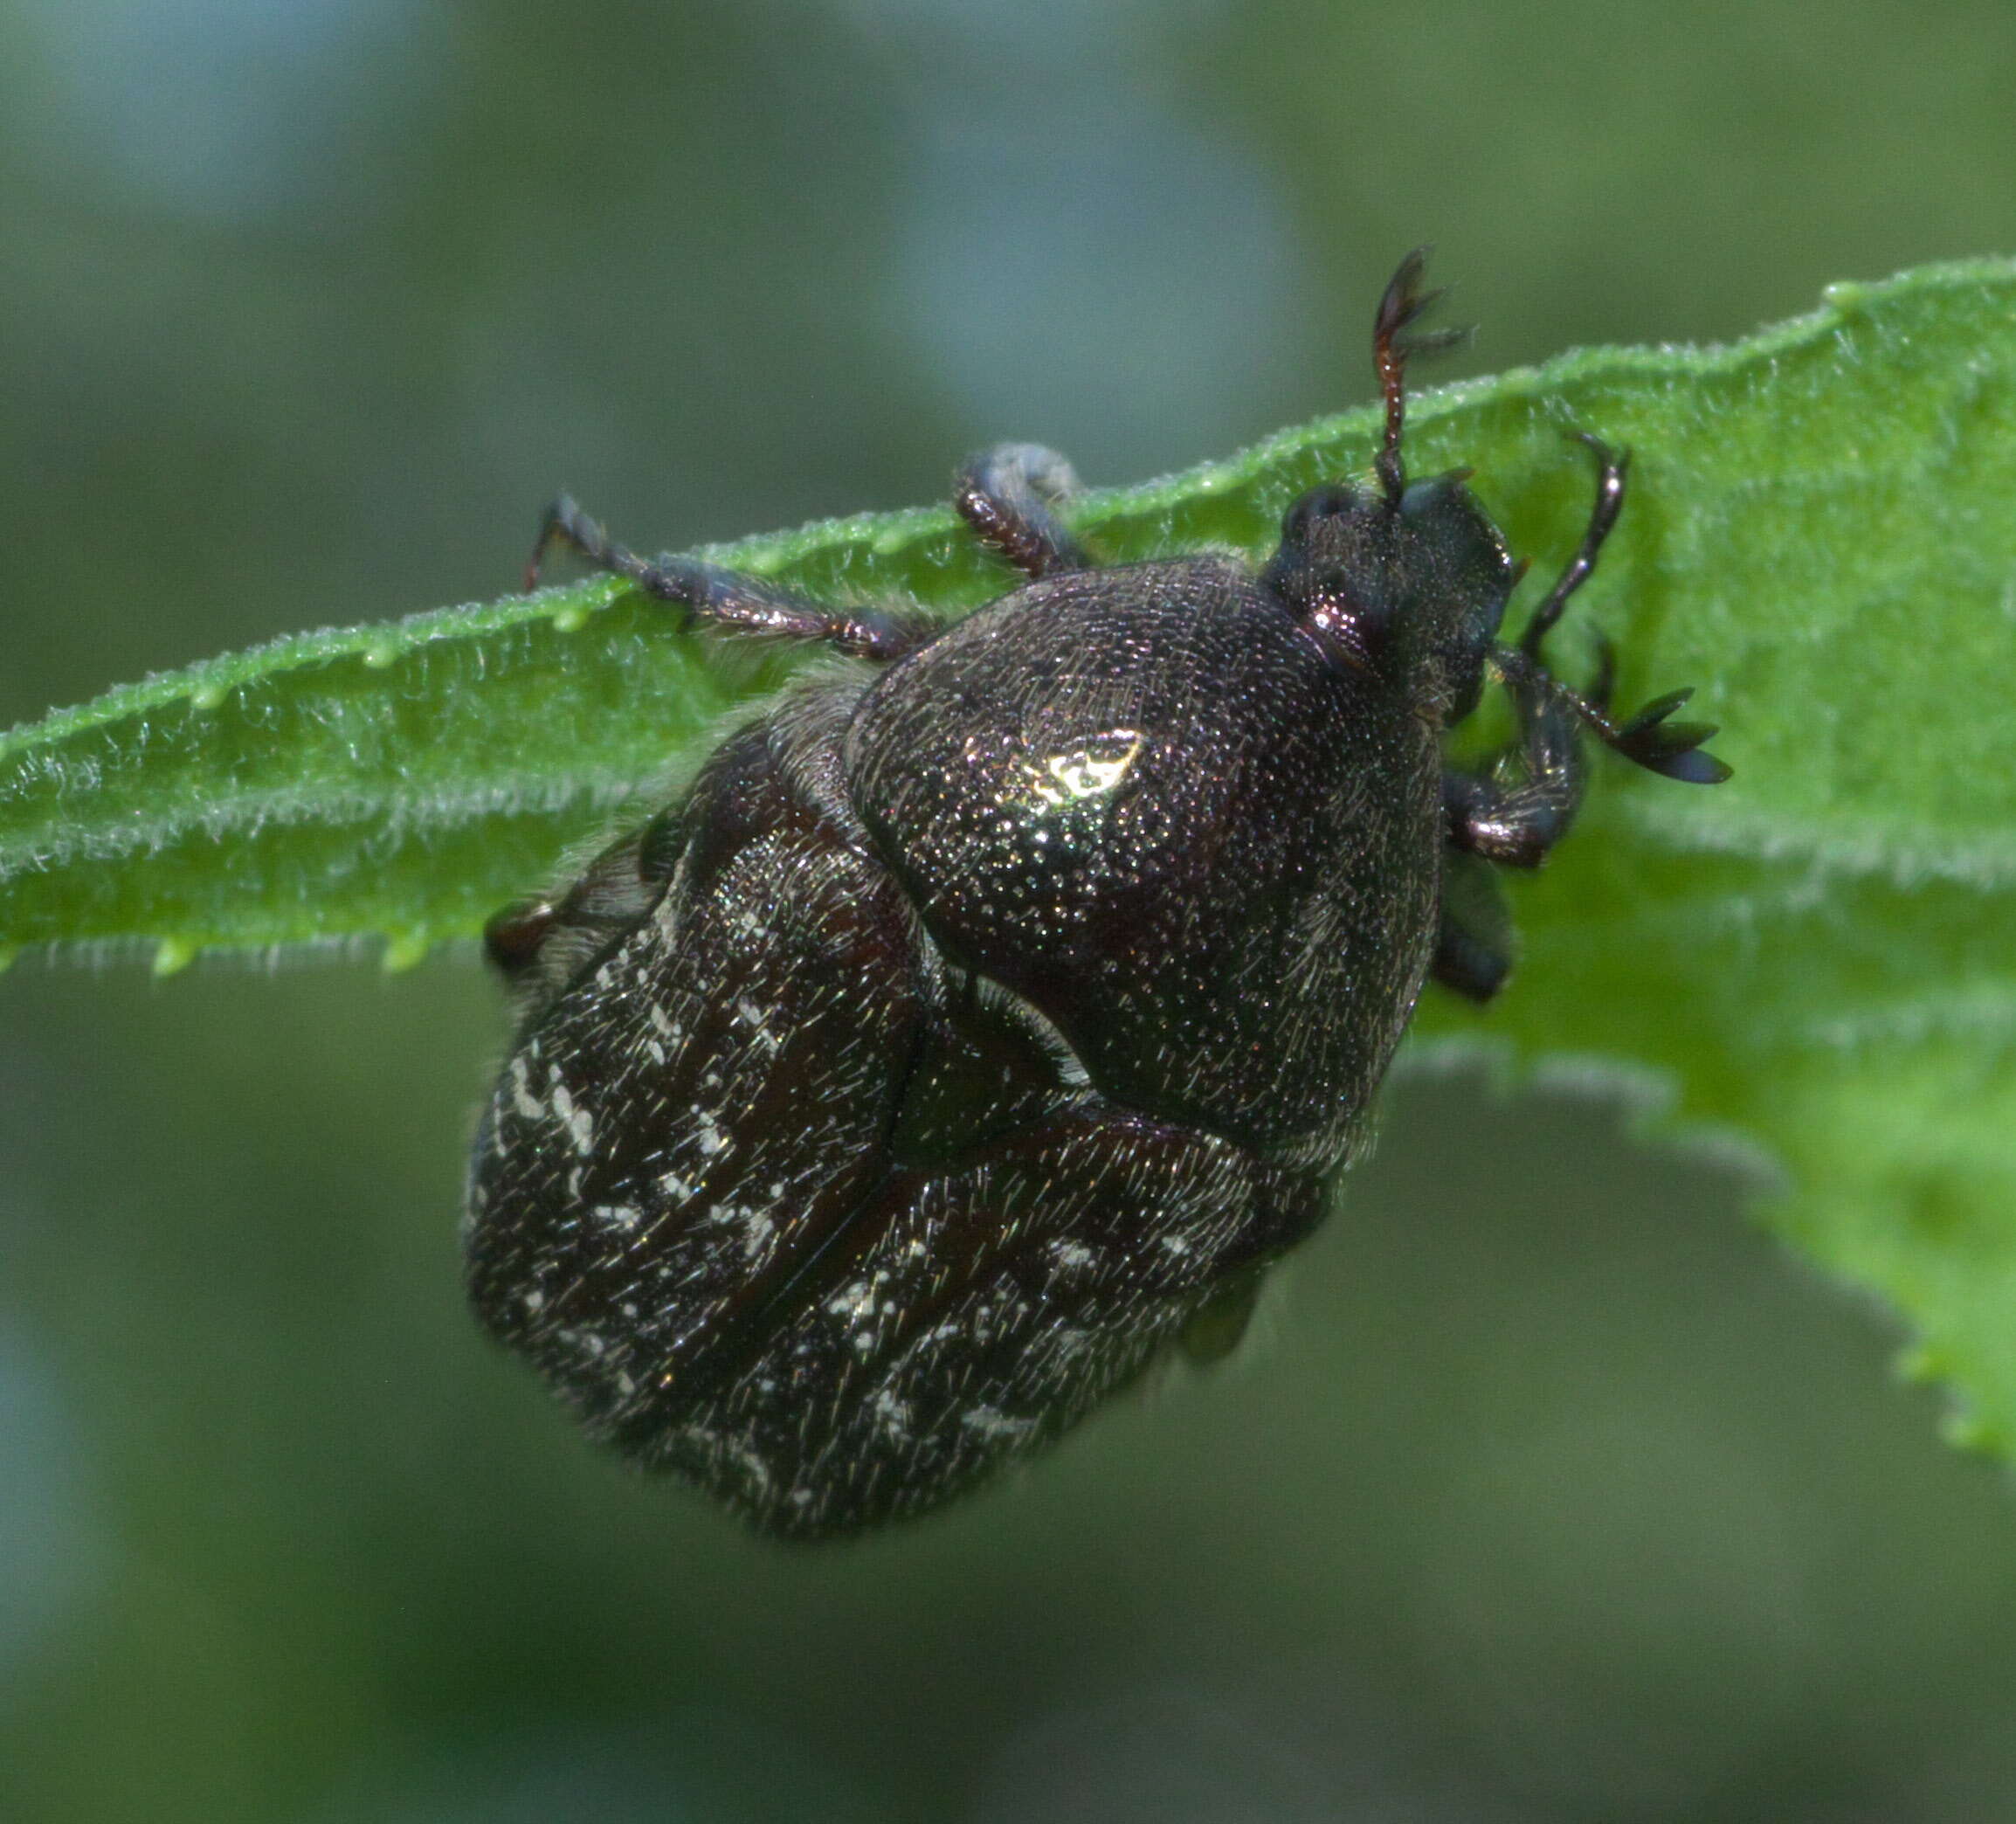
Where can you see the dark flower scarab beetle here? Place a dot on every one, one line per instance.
(974, 1027)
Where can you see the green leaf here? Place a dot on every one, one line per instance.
(1822, 537)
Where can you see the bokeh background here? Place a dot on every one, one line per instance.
(1548, 1487)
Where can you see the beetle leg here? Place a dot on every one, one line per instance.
(1516, 822)
(1473, 949)
(1518, 812)
(514, 937)
(1009, 495)
(1219, 1325)
(1612, 468)
(729, 598)
(538, 944)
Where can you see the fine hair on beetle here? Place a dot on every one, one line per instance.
(986, 1018)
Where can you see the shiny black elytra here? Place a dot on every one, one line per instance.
(974, 1029)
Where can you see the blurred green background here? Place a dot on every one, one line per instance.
(1547, 1488)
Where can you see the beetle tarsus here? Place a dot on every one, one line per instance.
(730, 599)
(1009, 496)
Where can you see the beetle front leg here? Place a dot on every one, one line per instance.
(729, 598)
(1009, 495)
(1515, 820)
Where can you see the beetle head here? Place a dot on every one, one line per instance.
(1411, 585)
(1406, 580)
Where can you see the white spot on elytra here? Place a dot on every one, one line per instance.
(709, 1134)
(578, 1121)
(679, 1190)
(991, 1422)
(856, 1299)
(529, 1106)
(1071, 1341)
(753, 1467)
(1073, 1256)
(618, 1216)
(758, 1021)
